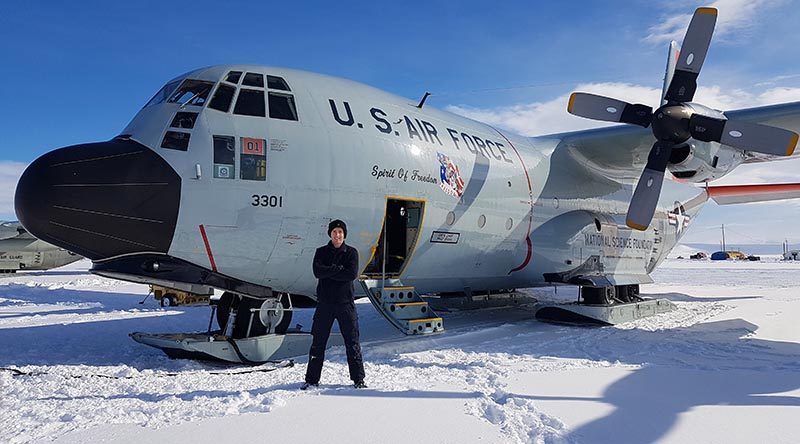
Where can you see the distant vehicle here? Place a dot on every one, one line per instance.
(699, 256)
(20, 250)
(791, 255)
(170, 297)
(725, 255)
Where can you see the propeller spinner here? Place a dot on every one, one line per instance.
(675, 122)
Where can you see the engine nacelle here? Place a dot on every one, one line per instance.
(697, 161)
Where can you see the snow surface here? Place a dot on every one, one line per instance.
(723, 367)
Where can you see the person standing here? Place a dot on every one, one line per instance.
(336, 267)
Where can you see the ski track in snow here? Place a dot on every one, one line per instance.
(476, 356)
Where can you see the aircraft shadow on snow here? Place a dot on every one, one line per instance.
(707, 364)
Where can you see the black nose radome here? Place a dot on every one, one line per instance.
(101, 199)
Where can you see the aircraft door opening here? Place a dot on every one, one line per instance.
(399, 235)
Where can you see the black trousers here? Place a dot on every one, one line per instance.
(345, 314)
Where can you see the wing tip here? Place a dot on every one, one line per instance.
(706, 10)
(792, 144)
(571, 102)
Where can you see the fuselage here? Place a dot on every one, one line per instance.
(263, 158)
(33, 254)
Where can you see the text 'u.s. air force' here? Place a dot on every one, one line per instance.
(423, 131)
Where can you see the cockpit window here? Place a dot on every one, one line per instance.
(163, 93)
(184, 120)
(176, 140)
(250, 103)
(281, 106)
(253, 79)
(222, 98)
(277, 83)
(224, 155)
(254, 159)
(192, 92)
(233, 76)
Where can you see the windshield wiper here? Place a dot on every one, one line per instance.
(197, 94)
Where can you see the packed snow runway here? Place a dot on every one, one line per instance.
(723, 367)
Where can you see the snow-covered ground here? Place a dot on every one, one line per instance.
(723, 367)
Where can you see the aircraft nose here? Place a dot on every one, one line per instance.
(101, 199)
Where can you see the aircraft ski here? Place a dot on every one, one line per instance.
(251, 331)
(255, 350)
(609, 305)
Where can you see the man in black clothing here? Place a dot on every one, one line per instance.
(336, 267)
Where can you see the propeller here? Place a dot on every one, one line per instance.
(675, 122)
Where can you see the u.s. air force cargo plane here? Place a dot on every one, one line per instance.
(19, 250)
(230, 174)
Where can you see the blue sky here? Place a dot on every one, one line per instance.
(75, 72)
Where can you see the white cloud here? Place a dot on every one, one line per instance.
(9, 176)
(539, 118)
(735, 18)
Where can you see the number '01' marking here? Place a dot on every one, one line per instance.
(266, 200)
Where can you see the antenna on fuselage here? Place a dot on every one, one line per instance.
(424, 98)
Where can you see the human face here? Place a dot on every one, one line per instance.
(337, 237)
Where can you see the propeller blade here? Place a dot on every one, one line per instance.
(744, 135)
(648, 190)
(692, 55)
(607, 109)
(672, 62)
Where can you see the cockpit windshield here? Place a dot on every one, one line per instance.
(192, 92)
(164, 92)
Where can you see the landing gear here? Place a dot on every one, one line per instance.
(605, 306)
(253, 317)
(628, 293)
(251, 331)
(619, 294)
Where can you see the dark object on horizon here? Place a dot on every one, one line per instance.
(699, 256)
(753, 258)
(725, 255)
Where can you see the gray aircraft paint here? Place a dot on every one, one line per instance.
(342, 159)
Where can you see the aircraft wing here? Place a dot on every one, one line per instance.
(9, 230)
(736, 194)
(617, 152)
(621, 151)
(784, 115)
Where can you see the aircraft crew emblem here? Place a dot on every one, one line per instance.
(451, 181)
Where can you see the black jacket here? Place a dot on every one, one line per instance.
(336, 269)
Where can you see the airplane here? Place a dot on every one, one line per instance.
(19, 250)
(229, 175)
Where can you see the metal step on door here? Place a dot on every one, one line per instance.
(402, 307)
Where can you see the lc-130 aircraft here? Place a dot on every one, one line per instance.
(230, 174)
(19, 250)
